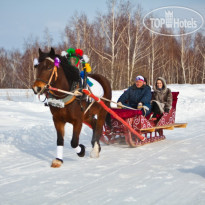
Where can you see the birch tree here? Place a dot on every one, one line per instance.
(48, 39)
(3, 66)
(134, 41)
(112, 31)
(154, 56)
(200, 56)
(184, 50)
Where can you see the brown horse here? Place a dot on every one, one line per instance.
(74, 110)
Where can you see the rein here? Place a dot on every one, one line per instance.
(77, 93)
(74, 93)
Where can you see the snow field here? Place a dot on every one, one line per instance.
(167, 172)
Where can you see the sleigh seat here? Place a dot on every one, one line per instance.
(141, 124)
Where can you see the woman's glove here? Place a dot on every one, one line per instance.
(140, 106)
(119, 105)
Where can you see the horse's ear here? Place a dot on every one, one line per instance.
(52, 52)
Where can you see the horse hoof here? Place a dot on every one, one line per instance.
(82, 152)
(95, 152)
(56, 163)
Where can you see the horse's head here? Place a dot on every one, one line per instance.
(44, 71)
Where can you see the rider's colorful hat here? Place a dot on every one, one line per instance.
(139, 77)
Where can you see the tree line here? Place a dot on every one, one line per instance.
(119, 47)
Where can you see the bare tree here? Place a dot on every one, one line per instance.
(200, 56)
(17, 71)
(48, 38)
(3, 66)
(184, 57)
(155, 54)
(134, 41)
(112, 30)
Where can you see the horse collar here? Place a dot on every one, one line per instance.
(52, 100)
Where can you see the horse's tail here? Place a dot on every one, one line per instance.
(108, 120)
(107, 93)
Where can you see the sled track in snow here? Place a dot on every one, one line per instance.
(82, 188)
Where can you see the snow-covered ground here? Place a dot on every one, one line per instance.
(171, 171)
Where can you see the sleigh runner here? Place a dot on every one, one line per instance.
(151, 130)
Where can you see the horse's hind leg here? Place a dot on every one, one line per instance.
(79, 148)
(97, 133)
(60, 143)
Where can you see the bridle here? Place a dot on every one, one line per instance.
(54, 72)
(67, 97)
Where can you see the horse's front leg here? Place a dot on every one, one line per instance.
(79, 148)
(59, 125)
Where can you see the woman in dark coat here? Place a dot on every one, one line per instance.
(137, 96)
(161, 98)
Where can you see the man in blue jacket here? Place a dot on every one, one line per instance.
(137, 96)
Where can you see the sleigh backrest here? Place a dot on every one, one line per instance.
(174, 103)
(126, 113)
(175, 98)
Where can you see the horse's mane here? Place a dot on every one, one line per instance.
(72, 74)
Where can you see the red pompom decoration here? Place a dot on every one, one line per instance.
(78, 52)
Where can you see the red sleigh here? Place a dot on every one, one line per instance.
(151, 130)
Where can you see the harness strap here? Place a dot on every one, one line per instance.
(88, 107)
(53, 72)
